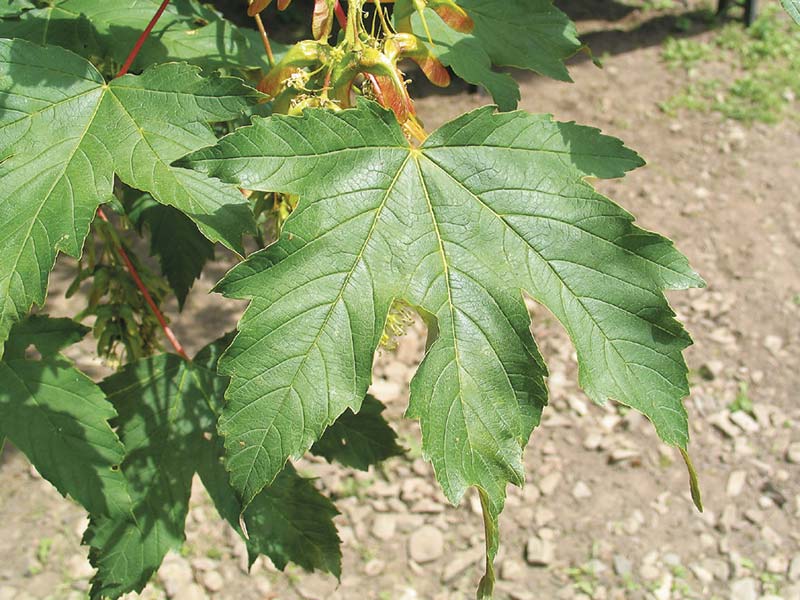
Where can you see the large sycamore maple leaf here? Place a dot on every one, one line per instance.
(490, 206)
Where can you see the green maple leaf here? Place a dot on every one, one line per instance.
(65, 132)
(186, 31)
(167, 409)
(527, 34)
(491, 205)
(14, 7)
(181, 249)
(360, 439)
(59, 418)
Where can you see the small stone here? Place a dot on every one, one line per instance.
(593, 441)
(426, 506)
(718, 568)
(384, 526)
(211, 580)
(703, 575)
(623, 455)
(773, 343)
(622, 565)
(539, 552)
(8, 593)
(512, 570)
(461, 562)
(649, 572)
(581, 491)
(793, 453)
(736, 483)
(79, 567)
(176, 576)
(744, 589)
(794, 569)
(664, 590)
(316, 586)
(777, 564)
(712, 369)
(744, 421)
(374, 567)
(549, 483)
(426, 544)
(722, 422)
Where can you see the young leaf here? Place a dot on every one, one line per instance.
(59, 418)
(181, 249)
(167, 411)
(489, 206)
(528, 34)
(187, 31)
(64, 132)
(359, 439)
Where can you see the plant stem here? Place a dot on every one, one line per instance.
(148, 298)
(340, 16)
(265, 40)
(138, 45)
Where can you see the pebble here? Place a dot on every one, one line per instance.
(512, 570)
(744, 421)
(176, 576)
(721, 421)
(793, 453)
(773, 343)
(581, 491)
(426, 544)
(461, 562)
(718, 568)
(549, 483)
(777, 564)
(736, 483)
(622, 565)
(79, 567)
(539, 552)
(703, 575)
(794, 569)
(193, 592)
(374, 567)
(744, 589)
(211, 580)
(384, 526)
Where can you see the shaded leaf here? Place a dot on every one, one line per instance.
(793, 8)
(361, 439)
(47, 334)
(167, 413)
(58, 418)
(181, 249)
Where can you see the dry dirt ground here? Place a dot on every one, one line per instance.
(606, 511)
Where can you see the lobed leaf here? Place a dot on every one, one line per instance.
(59, 418)
(527, 34)
(490, 206)
(65, 132)
(167, 413)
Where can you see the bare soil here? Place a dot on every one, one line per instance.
(610, 500)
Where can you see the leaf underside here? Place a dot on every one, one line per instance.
(491, 205)
(65, 133)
